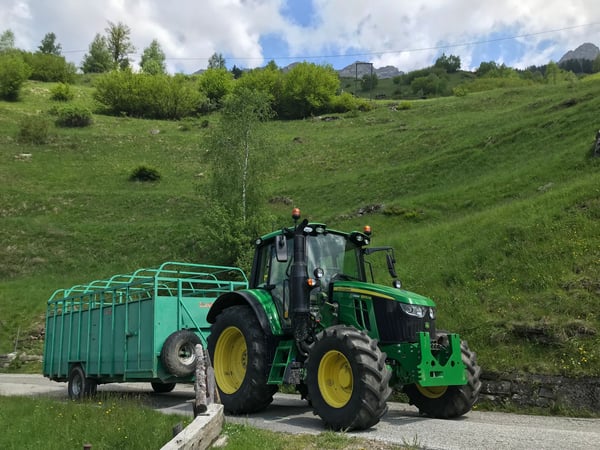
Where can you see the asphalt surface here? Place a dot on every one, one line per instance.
(401, 425)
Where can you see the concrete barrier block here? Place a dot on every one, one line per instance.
(201, 433)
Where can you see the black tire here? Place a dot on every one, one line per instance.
(241, 354)
(162, 388)
(448, 402)
(347, 379)
(80, 386)
(302, 389)
(178, 354)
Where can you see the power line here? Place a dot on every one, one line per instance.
(408, 50)
(379, 53)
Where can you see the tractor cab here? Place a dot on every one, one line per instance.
(329, 255)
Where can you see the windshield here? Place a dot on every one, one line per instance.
(335, 255)
(330, 251)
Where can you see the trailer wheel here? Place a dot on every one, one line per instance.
(178, 354)
(162, 388)
(79, 385)
(241, 355)
(347, 379)
(448, 402)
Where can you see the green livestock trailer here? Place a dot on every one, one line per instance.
(141, 326)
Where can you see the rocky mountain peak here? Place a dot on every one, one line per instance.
(360, 68)
(584, 51)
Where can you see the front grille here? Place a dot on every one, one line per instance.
(395, 326)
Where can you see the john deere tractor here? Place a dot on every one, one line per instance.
(313, 318)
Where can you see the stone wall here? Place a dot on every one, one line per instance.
(542, 391)
(8, 359)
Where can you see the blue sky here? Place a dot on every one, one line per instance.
(406, 34)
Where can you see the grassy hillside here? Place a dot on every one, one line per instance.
(492, 201)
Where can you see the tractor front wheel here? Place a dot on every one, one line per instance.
(347, 379)
(240, 352)
(448, 402)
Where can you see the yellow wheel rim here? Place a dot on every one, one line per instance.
(432, 391)
(335, 379)
(231, 359)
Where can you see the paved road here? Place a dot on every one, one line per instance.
(402, 424)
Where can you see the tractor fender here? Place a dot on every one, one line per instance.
(261, 304)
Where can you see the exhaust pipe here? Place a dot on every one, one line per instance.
(299, 301)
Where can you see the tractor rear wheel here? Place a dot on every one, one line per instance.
(447, 402)
(347, 379)
(241, 352)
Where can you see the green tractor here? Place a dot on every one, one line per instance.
(312, 319)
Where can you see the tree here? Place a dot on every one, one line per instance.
(14, 71)
(153, 59)
(268, 80)
(307, 89)
(596, 65)
(491, 69)
(486, 67)
(236, 139)
(98, 60)
(7, 41)
(216, 84)
(369, 81)
(429, 85)
(50, 67)
(119, 44)
(449, 63)
(239, 163)
(236, 72)
(552, 72)
(272, 65)
(49, 45)
(216, 61)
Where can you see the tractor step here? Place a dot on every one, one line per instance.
(282, 370)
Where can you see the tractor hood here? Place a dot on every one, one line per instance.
(381, 291)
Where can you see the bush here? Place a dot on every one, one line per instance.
(216, 84)
(405, 105)
(365, 105)
(148, 96)
(307, 90)
(74, 116)
(459, 91)
(61, 92)
(143, 173)
(47, 67)
(343, 103)
(13, 73)
(34, 130)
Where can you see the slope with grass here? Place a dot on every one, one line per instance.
(491, 200)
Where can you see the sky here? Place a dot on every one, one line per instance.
(407, 34)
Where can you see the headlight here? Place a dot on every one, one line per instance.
(432, 313)
(414, 310)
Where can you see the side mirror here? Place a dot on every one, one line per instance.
(390, 265)
(281, 252)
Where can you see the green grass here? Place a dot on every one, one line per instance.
(111, 422)
(106, 423)
(491, 200)
(244, 437)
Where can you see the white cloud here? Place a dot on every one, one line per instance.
(405, 34)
